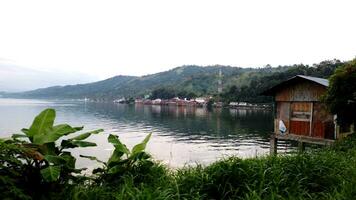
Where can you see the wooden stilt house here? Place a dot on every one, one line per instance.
(299, 113)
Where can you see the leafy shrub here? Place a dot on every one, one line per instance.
(33, 162)
(11, 171)
(123, 161)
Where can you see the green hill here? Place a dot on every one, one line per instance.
(197, 79)
(239, 84)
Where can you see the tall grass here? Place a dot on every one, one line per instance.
(328, 173)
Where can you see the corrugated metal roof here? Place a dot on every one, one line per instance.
(321, 81)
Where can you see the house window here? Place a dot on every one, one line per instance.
(300, 111)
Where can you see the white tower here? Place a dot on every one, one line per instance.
(220, 86)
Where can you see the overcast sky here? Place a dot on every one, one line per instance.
(106, 38)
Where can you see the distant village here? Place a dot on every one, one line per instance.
(208, 101)
(196, 102)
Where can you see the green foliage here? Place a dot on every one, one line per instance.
(12, 171)
(42, 123)
(341, 94)
(210, 104)
(86, 135)
(35, 161)
(255, 83)
(169, 93)
(51, 173)
(52, 160)
(150, 183)
(35, 166)
(185, 94)
(163, 93)
(122, 160)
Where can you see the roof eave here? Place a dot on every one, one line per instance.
(272, 90)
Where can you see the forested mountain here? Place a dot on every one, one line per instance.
(240, 84)
(200, 80)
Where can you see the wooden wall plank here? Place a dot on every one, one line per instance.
(299, 128)
(323, 123)
(303, 91)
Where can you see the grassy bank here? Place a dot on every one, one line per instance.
(321, 174)
(328, 173)
(38, 165)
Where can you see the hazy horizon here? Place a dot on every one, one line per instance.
(18, 79)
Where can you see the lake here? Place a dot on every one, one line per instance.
(180, 135)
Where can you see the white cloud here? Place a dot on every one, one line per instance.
(106, 38)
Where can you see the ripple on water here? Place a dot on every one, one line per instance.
(180, 136)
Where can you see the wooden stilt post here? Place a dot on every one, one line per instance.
(273, 147)
(301, 146)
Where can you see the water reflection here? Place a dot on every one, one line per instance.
(181, 135)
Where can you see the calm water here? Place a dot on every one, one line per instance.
(180, 135)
